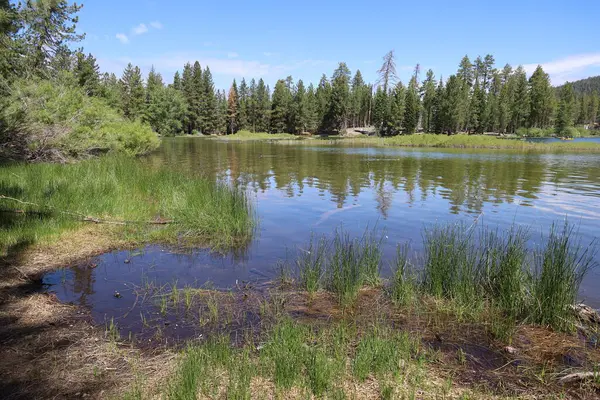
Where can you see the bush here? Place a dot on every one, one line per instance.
(56, 120)
(522, 132)
(570, 132)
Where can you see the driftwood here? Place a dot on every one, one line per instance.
(578, 377)
(80, 216)
(586, 313)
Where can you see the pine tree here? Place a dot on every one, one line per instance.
(312, 123)
(357, 99)
(394, 122)
(412, 107)
(566, 109)
(86, 73)
(438, 122)
(187, 86)
(46, 29)
(428, 92)
(381, 111)
(197, 98)
(453, 106)
(323, 95)
(301, 109)
(336, 116)
(177, 81)
(519, 106)
(221, 117)
(542, 99)
(132, 92)
(387, 72)
(243, 97)
(110, 90)
(252, 106)
(505, 99)
(280, 107)
(208, 107)
(263, 107)
(232, 109)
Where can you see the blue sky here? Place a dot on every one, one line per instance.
(274, 39)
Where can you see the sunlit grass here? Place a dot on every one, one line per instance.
(43, 200)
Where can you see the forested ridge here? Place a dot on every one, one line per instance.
(56, 103)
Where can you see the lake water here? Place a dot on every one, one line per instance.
(302, 188)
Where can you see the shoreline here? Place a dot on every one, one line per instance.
(454, 347)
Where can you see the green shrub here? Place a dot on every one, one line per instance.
(56, 120)
(570, 132)
(522, 132)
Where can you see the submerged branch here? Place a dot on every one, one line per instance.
(82, 217)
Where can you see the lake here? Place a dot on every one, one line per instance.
(303, 187)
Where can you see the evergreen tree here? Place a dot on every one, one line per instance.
(310, 108)
(336, 116)
(87, 75)
(47, 27)
(453, 106)
(280, 107)
(221, 119)
(243, 97)
(165, 110)
(505, 98)
(208, 106)
(412, 107)
(187, 87)
(395, 121)
(357, 98)
(252, 106)
(323, 95)
(519, 106)
(232, 109)
(301, 109)
(197, 98)
(381, 111)
(110, 90)
(177, 81)
(428, 92)
(387, 72)
(438, 122)
(263, 107)
(132, 92)
(542, 99)
(566, 109)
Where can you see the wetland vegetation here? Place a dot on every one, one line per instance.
(237, 267)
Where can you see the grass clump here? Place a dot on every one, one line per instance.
(464, 141)
(245, 135)
(40, 201)
(559, 269)
(311, 263)
(403, 287)
(496, 270)
(342, 264)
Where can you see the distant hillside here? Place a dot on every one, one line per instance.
(588, 85)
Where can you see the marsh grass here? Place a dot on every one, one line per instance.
(54, 198)
(463, 141)
(311, 263)
(559, 269)
(245, 135)
(403, 279)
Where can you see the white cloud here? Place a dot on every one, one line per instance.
(568, 68)
(156, 25)
(232, 54)
(140, 29)
(122, 38)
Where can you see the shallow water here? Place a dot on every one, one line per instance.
(305, 187)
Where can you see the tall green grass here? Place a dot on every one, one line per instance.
(463, 141)
(245, 135)
(559, 269)
(56, 198)
(498, 267)
(342, 263)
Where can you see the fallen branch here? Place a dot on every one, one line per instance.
(578, 377)
(82, 217)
